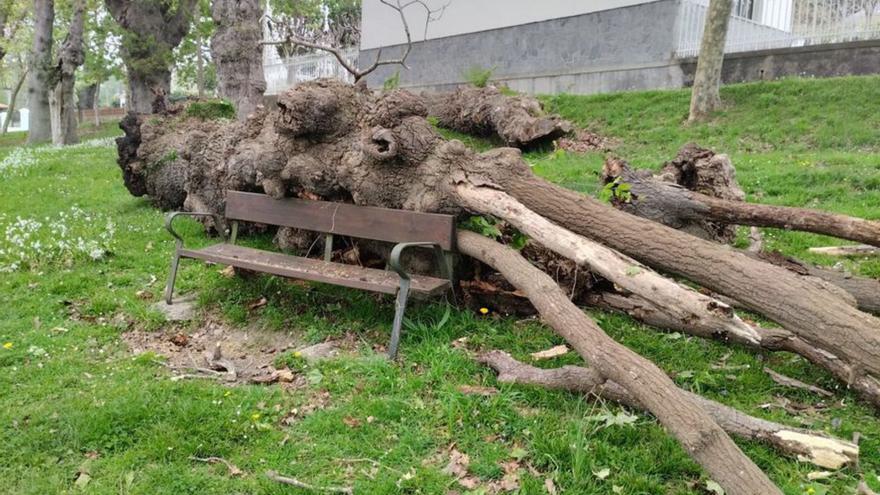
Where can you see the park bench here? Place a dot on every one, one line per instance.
(406, 228)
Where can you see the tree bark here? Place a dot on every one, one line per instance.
(698, 433)
(705, 97)
(679, 207)
(822, 450)
(151, 31)
(238, 53)
(519, 121)
(63, 99)
(40, 73)
(816, 315)
(11, 110)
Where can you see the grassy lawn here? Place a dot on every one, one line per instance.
(80, 413)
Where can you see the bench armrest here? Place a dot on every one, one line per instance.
(169, 223)
(394, 262)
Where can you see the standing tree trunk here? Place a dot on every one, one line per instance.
(40, 73)
(11, 110)
(62, 101)
(200, 69)
(96, 104)
(152, 29)
(705, 97)
(237, 51)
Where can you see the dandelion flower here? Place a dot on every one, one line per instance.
(7, 345)
(484, 311)
(255, 416)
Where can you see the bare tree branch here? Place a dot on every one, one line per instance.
(431, 15)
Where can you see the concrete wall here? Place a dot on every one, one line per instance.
(381, 25)
(839, 59)
(625, 48)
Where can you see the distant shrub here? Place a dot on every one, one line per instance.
(479, 77)
(211, 110)
(392, 82)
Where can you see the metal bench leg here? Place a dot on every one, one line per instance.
(399, 308)
(172, 275)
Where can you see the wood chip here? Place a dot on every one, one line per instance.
(559, 350)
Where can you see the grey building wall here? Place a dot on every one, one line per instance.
(612, 50)
(838, 59)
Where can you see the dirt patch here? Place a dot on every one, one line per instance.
(217, 351)
(584, 141)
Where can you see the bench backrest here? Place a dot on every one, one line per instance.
(367, 222)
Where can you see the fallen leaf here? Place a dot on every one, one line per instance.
(714, 487)
(180, 340)
(458, 464)
(351, 422)
(602, 473)
(550, 486)
(285, 375)
(477, 390)
(550, 353)
(227, 272)
(144, 294)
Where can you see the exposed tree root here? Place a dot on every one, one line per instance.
(698, 433)
(820, 449)
(518, 120)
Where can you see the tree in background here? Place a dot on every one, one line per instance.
(194, 65)
(705, 96)
(101, 63)
(15, 45)
(237, 50)
(151, 29)
(40, 70)
(62, 97)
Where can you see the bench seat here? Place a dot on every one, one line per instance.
(285, 265)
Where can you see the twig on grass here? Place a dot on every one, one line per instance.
(795, 383)
(274, 476)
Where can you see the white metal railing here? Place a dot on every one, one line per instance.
(285, 73)
(763, 24)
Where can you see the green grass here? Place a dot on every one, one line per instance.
(75, 400)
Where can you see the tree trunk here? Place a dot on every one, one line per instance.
(698, 433)
(96, 104)
(705, 97)
(822, 450)
(519, 121)
(151, 31)
(678, 207)
(200, 70)
(40, 73)
(238, 53)
(11, 110)
(71, 56)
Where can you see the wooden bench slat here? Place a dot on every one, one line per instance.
(314, 270)
(367, 222)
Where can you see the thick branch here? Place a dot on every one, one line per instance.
(701, 437)
(820, 449)
(672, 204)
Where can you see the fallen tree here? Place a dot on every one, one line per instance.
(822, 450)
(673, 198)
(342, 143)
